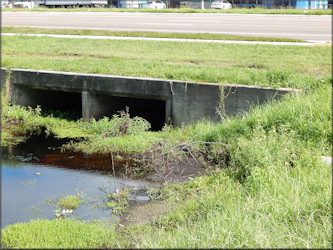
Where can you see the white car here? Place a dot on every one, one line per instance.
(221, 4)
(25, 4)
(155, 5)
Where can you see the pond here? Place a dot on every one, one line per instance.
(35, 174)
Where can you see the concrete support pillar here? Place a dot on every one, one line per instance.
(22, 96)
(87, 105)
(95, 106)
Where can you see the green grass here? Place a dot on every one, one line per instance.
(262, 65)
(276, 207)
(273, 192)
(87, 32)
(70, 201)
(101, 136)
(59, 234)
(286, 11)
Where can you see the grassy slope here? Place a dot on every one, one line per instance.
(276, 191)
(87, 32)
(263, 65)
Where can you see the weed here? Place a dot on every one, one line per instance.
(118, 201)
(70, 201)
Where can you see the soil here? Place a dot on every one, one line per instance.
(166, 170)
(142, 213)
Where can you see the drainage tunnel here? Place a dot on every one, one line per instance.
(150, 109)
(51, 101)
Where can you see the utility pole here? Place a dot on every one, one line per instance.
(202, 4)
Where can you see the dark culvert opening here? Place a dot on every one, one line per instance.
(150, 109)
(66, 105)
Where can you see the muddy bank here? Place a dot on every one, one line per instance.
(151, 166)
(155, 167)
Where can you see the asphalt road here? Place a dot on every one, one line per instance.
(311, 28)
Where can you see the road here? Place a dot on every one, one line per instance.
(310, 27)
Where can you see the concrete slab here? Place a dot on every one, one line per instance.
(175, 102)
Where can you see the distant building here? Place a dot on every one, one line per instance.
(268, 4)
(141, 3)
(131, 3)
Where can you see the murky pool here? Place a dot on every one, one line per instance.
(29, 187)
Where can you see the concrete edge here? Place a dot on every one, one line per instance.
(154, 79)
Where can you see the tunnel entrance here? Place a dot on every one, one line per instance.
(65, 105)
(74, 105)
(150, 109)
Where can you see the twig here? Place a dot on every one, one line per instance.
(112, 163)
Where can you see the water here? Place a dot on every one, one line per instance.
(27, 184)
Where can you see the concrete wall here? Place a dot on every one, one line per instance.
(102, 95)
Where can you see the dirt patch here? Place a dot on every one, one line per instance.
(140, 213)
(176, 171)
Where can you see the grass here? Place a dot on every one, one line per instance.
(70, 201)
(59, 234)
(263, 65)
(273, 191)
(281, 11)
(103, 136)
(87, 32)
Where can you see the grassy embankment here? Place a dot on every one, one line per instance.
(87, 32)
(281, 11)
(273, 191)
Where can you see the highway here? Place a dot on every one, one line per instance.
(305, 27)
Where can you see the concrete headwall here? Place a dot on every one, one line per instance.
(182, 102)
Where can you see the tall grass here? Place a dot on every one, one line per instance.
(274, 191)
(308, 115)
(277, 207)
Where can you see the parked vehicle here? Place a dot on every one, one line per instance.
(155, 5)
(221, 4)
(29, 4)
(25, 4)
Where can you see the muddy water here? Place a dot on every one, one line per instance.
(35, 174)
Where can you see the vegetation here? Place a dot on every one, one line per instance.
(87, 32)
(281, 11)
(263, 65)
(273, 191)
(59, 234)
(70, 201)
(269, 188)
